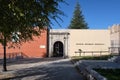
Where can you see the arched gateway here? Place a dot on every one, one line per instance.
(58, 49)
(58, 43)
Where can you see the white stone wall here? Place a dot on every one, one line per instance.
(58, 35)
(115, 38)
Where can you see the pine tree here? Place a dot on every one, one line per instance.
(78, 21)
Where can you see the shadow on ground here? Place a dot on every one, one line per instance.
(29, 60)
(61, 70)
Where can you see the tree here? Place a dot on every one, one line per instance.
(25, 19)
(78, 21)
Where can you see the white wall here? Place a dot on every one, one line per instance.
(115, 38)
(84, 39)
(88, 40)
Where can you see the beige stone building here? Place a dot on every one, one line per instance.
(115, 39)
(77, 42)
(90, 42)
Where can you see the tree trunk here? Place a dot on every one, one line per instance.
(4, 58)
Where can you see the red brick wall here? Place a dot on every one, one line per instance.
(31, 49)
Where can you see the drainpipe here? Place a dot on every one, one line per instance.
(64, 48)
(47, 45)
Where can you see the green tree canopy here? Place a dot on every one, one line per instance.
(78, 21)
(23, 15)
(20, 18)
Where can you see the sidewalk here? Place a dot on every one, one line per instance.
(60, 69)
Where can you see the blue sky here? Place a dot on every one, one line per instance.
(99, 14)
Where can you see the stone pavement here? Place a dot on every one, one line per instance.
(86, 68)
(61, 69)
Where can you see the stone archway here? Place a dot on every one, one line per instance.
(58, 49)
(58, 37)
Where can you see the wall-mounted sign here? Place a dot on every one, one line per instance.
(42, 46)
(89, 43)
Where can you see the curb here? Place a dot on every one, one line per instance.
(7, 75)
(88, 72)
(78, 70)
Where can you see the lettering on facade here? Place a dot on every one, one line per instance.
(89, 43)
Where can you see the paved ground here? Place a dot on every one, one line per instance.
(86, 66)
(50, 69)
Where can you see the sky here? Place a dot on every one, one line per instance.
(98, 14)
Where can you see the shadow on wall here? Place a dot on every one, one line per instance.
(17, 55)
(28, 60)
(43, 55)
(20, 55)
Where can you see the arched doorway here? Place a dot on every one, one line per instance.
(58, 49)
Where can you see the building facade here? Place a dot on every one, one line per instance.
(67, 43)
(115, 39)
(31, 49)
(58, 42)
(76, 42)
